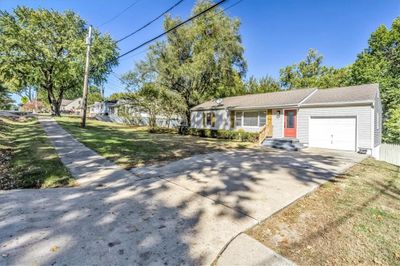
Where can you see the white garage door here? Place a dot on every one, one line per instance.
(333, 133)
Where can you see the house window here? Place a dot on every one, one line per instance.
(208, 119)
(232, 117)
(204, 119)
(250, 119)
(213, 119)
(238, 119)
(290, 119)
(263, 117)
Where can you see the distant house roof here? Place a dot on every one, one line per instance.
(296, 97)
(66, 102)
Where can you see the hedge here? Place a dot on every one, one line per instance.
(240, 135)
(162, 130)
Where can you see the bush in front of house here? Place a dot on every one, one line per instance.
(240, 135)
(162, 130)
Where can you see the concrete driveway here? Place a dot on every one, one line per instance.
(257, 182)
(182, 213)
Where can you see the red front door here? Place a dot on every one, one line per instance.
(290, 123)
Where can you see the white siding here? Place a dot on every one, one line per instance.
(363, 114)
(222, 120)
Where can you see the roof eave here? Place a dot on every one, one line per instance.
(368, 102)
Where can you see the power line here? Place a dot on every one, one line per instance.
(115, 75)
(150, 22)
(171, 29)
(120, 13)
(223, 10)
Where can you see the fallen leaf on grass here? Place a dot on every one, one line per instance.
(55, 248)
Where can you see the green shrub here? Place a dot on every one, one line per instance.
(240, 135)
(162, 130)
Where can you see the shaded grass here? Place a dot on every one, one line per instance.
(131, 146)
(31, 160)
(353, 220)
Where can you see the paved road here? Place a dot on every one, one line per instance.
(182, 213)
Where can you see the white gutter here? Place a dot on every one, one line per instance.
(338, 103)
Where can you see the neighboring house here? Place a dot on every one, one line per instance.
(124, 113)
(101, 108)
(34, 106)
(347, 118)
(71, 106)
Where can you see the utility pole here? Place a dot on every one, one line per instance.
(86, 78)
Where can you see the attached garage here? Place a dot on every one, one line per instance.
(338, 133)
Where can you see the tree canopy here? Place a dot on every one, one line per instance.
(380, 63)
(5, 99)
(198, 61)
(45, 49)
(261, 85)
(311, 73)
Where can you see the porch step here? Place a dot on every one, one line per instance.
(283, 143)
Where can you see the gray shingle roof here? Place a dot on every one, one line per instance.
(360, 93)
(66, 102)
(281, 98)
(353, 94)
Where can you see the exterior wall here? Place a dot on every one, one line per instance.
(363, 114)
(141, 119)
(222, 119)
(73, 106)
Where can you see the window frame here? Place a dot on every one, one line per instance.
(208, 119)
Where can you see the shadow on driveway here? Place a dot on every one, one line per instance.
(185, 217)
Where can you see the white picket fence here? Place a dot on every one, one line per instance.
(390, 153)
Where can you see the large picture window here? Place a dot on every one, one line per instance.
(250, 119)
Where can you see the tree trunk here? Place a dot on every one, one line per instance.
(187, 113)
(56, 106)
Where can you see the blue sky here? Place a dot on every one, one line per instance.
(274, 33)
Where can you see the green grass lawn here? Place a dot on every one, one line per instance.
(28, 158)
(354, 220)
(131, 146)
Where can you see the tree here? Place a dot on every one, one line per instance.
(392, 126)
(198, 61)
(5, 100)
(24, 99)
(310, 73)
(117, 96)
(262, 85)
(380, 63)
(45, 49)
(155, 101)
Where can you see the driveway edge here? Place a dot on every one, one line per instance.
(245, 250)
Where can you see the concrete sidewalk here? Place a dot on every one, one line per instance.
(87, 167)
